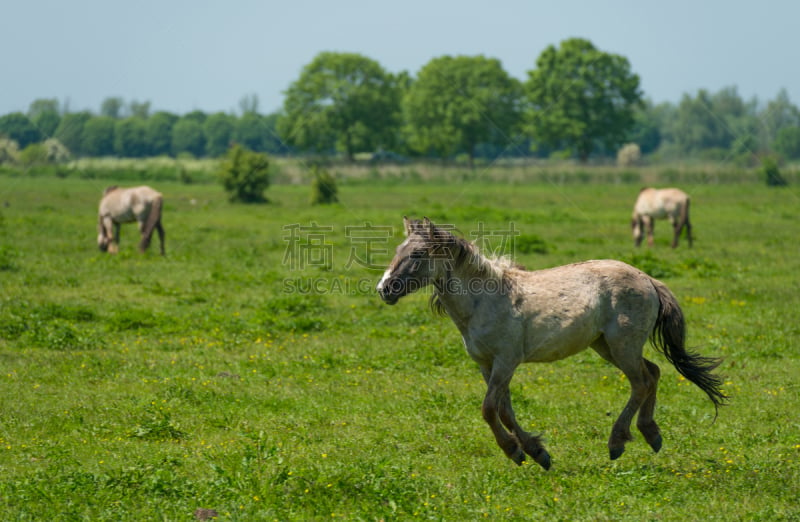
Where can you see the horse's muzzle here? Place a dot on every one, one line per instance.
(391, 290)
(387, 296)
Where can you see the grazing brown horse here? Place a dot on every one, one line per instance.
(508, 316)
(652, 204)
(139, 204)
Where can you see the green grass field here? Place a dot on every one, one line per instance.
(254, 372)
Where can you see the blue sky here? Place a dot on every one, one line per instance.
(184, 55)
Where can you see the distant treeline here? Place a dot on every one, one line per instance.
(579, 102)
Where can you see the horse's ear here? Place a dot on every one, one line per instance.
(407, 225)
(429, 227)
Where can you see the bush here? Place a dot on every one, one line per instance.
(629, 155)
(33, 154)
(9, 151)
(245, 175)
(769, 166)
(323, 187)
(55, 151)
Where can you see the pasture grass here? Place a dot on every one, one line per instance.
(260, 377)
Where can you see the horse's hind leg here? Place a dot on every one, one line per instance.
(688, 226)
(677, 228)
(645, 423)
(626, 355)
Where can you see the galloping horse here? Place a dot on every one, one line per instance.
(508, 316)
(655, 204)
(140, 204)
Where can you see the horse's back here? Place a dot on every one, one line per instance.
(130, 204)
(569, 306)
(659, 203)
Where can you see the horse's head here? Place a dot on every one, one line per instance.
(103, 240)
(105, 236)
(420, 260)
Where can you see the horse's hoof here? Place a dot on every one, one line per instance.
(656, 444)
(615, 453)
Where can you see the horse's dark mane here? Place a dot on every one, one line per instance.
(110, 189)
(464, 255)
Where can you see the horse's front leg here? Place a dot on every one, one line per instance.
(497, 389)
(113, 247)
(650, 225)
(530, 443)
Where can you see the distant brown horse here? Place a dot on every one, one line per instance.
(652, 204)
(508, 316)
(142, 205)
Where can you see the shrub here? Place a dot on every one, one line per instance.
(55, 151)
(245, 175)
(769, 166)
(323, 187)
(33, 154)
(629, 155)
(9, 151)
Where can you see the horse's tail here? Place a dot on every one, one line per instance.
(669, 337)
(153, 218)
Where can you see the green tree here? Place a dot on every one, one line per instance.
(458, 103)
(44, 113)
(251, 131)
(196, 115)
(245, 175)
(70, 131)
(272, 140)
(139, 109)
(188, 136)
(646, 128)
(112, 107)
(249, 104)
(344, 101)
(779, 114)
(787, 142)
(218, 131)
(581, 98)
(98, 136)
(713, 121)
(158, 132)
(130, 138)
(43, 105)
(19, 128)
